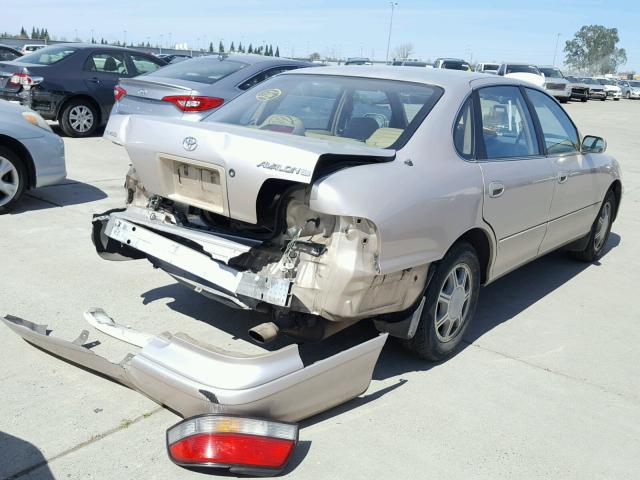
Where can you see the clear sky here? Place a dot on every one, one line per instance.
(472, 29)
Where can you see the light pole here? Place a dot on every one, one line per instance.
(161, 42)
(555, 52)
(125, 37)
(92, 39)
(170, 46)
(393, 6)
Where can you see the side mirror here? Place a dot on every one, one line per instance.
(593, 144)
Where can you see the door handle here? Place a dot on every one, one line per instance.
(95, 80)
(563, 177)
(496, 189)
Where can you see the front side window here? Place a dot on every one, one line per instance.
(463, 130)
(107, 62)
(551, 72)
(47, 56)
(507, 127)
(7, 54)
(560, 135)
(144, 64)
(381, 113)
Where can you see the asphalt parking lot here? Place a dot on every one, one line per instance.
(547, 386)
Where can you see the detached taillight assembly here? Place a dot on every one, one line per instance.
(244, 445)
(190, 103)
(118, 92)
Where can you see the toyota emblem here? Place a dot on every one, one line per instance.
(189, 144)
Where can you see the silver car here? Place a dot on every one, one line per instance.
(630, 88)
(192, 89)
(328, 196)
(31, 155)
(555, 83)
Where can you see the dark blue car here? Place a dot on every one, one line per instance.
(72, 83)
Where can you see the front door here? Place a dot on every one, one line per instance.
(519, 180)
(102, 70)
(575, 203)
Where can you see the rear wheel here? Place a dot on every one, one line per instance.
(79, 118)
(600, 230)
(628, 95)
(13, 179)
(451, 299)
(604, 99)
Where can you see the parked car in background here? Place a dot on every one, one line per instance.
(452, 64)
(411, 63)
(31, 155)
(555, 83)
(358, 61)
(274, 202)
(522, 71)
(194, 88)
(31, 48)
(596, 90)
(8, 53)
(630, 88)
(579, 89)
(174, 57)
(486, 67)
(611, 88)
(75, 82)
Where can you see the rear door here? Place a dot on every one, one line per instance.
(576, 198)
(101, 72)
(519, 180)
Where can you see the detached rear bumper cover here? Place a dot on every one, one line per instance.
(192, 378)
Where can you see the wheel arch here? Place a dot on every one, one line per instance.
(19, 149)
(481, 241)
(80, 96)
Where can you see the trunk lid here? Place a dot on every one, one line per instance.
(144, 96)
(221, 167)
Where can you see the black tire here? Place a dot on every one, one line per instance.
(604, 99)
(427, 342)
(628, 95)
(17, 176)
(564, 100)
(73, 125)
(596, 245)
(584, 99)
(616, 99)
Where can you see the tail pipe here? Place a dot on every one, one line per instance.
(265, 332)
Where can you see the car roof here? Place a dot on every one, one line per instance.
(252, 59)
(96, 46)
(427, 76)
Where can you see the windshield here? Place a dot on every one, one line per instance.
(635, 84)
(589, 81)
(380, 113)
(604, 81)
(490, 66)
(201, 70)
(455, 65)
(551, 72)
(47, 56)
(523, 69)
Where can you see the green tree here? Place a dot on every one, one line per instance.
(34, 35)
(220, 47)
(210, 47)
(314, 56)
(45, 34)
(593, 49)
(240, 48)
(232, 48)
(277, 51)
(250, 50)
(23, 33)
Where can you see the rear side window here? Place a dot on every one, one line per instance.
(47, 56)
(507, 127)
(144, 64)
(106, 62)
(560, 135)
(200, 70)
(463, 130)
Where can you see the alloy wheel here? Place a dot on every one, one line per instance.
(81, 118)
(453, 302)
(9, 181)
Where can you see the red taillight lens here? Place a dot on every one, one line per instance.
(188, 103)
(229, 441)
(21, 79)
(119, 92)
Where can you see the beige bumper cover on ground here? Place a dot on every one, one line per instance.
(193, 378)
